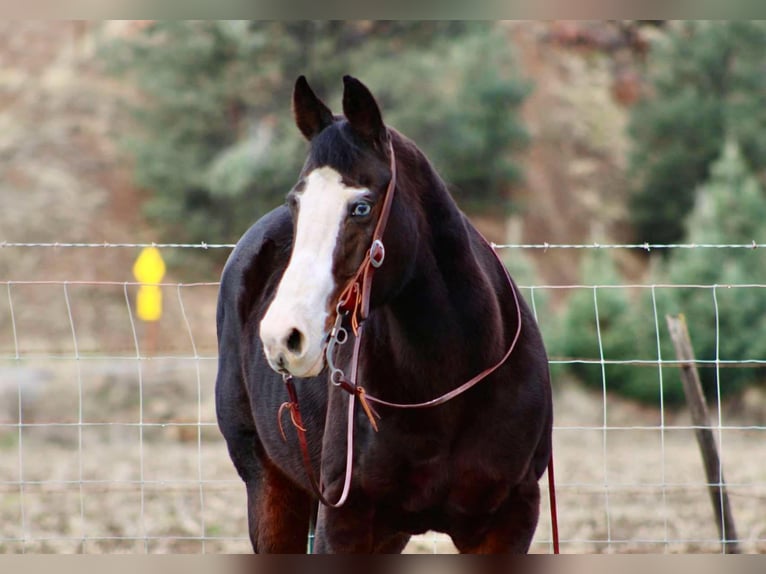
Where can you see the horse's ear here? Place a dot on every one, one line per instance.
(361, 110)
(311, 114)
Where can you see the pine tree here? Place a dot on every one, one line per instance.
(728, 323)
(707, 81)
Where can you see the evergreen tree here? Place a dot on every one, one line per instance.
(730, 322)
(727, 322)
(707, 80)
(214, 141)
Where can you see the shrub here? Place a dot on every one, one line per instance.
(624, 336)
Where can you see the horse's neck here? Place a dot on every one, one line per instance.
(446, 318)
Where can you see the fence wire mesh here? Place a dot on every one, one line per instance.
(108, 439)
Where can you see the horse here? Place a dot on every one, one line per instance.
(438, 417)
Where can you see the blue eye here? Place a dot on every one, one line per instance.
(361, 209)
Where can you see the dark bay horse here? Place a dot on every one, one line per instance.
(441, 310)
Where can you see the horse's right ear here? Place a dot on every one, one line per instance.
(311, 114)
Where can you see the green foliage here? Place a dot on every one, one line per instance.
(728, 322)
(707, 81)
(625, 331)
(730, 208)
(458, 100)
(214, 141)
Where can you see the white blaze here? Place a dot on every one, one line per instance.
(302, 296)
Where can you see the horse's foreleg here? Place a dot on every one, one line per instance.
(278, 513)
(354, 529)
(345, 530)
(510, 530)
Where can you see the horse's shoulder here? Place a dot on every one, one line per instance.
(480, 247)
(259, 256)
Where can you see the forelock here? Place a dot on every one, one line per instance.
(337, 147)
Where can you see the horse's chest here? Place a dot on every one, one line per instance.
(446, 482)
(412, 485)
(427, 475)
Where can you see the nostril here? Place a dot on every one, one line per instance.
(295, 341)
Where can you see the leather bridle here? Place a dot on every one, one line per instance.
(354, 305)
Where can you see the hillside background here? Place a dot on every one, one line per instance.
(66, 178)
(557, 132)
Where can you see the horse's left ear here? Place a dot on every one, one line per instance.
(361, 110)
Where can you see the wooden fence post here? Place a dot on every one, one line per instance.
(701, 421)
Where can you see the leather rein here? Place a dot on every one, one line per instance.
(354, 304)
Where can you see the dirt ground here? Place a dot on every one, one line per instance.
(113, 460)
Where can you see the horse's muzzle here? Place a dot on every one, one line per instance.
(288, 351)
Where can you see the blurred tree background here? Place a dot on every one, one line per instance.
(727, 323)
(705, 86)
(215, 142)
(707, 82)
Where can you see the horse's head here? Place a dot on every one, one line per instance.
(335, 206)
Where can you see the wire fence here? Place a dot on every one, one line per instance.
(108, 439)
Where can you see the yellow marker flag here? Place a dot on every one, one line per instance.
(149, 303)
(149, 268)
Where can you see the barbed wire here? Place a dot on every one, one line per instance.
(640, 246)
(535, 287)
(545, 246)
(107, 245)
(95, 283)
